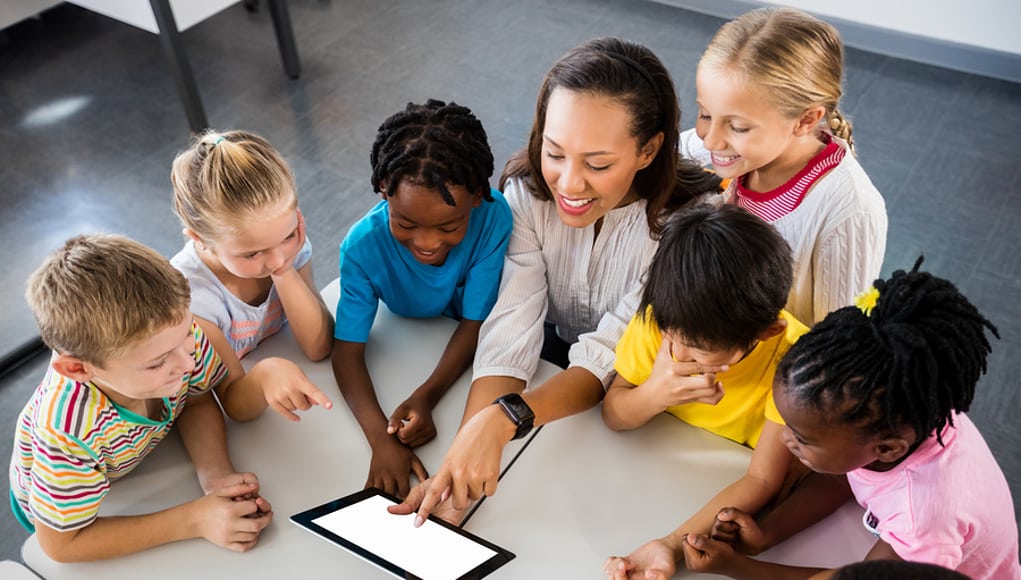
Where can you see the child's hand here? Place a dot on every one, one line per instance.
(676, 383)
(228, 520)
(654, 560)
(231, 480)
(702, 554)
(412, 422)
(287, 389)
(288, 265)
(739, 529)
(391, 467)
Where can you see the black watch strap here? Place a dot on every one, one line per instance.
(518, 412)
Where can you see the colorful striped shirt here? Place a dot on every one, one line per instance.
(72, 441)
(773, 205)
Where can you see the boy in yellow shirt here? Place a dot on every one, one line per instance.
(703, 347)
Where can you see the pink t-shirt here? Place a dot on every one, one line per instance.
(948, 506)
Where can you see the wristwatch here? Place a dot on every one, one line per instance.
(518, 412)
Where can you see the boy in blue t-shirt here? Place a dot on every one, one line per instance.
(433, 246)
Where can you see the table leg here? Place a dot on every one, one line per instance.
(170, 37)
(285, 37)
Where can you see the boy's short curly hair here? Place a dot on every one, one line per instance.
(719, 278)
(100, 294)
(433, 144)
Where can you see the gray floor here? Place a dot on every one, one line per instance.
(90, 121)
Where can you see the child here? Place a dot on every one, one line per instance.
(768, 86)
(128, 362)
(248, 261)
(433, 245)
(710, 332)
(879, 392)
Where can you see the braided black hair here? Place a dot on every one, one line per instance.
(915, 360)
(433, 145)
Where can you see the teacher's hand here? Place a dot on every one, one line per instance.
(471, 468)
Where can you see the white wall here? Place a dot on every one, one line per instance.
(989, 24)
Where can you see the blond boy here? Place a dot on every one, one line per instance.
(128, 362)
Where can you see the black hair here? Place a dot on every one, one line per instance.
(632, 75)
(895, 570)
(914, 360)
(433, 145)
(719, 278)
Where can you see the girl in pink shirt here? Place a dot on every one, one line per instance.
(878, 391)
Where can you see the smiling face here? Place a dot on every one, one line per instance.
(262, 244)
(589, 157)
(746, 133)
(153, 368)
(422, 222)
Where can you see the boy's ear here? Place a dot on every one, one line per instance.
(776, 328)
(650, 150)
(72, 367)
(809, 120)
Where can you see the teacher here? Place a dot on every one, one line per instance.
(588, 195)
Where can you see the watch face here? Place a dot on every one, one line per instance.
(518, 412)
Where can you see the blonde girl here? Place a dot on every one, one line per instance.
(248, 262)
(768, 89)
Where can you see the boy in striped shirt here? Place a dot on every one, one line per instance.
(128, 362)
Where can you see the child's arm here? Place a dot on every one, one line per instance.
(816, 496)
(310, 320)
(392, 461)
(274, 382)
(702, 554)
(412, 420)
(670, 383)
(760, 483)
(221, 517)
(231, 514)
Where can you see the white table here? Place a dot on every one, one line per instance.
(300, 465)
(11, 570)
(581, 493)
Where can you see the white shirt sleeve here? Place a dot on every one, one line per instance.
(510, 339)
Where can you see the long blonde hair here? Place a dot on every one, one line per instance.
(224, 178)
(796, 59)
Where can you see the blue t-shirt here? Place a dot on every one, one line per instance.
(374, 267)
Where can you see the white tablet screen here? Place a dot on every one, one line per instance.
(431, 551)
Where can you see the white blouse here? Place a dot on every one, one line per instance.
(588, 286)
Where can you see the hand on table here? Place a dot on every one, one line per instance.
(739, 529)
(232, 514)
(287, 389)
(678, 383)
(392, 465)
(469, 471)
(653, 561)
(412, 422)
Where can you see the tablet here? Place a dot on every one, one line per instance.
(437, 550)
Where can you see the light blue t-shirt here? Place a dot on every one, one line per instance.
(374, 267)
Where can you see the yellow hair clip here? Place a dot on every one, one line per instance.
(866, 301)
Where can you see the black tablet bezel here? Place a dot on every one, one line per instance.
(304, 520)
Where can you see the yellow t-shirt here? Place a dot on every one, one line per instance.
(747, 385)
